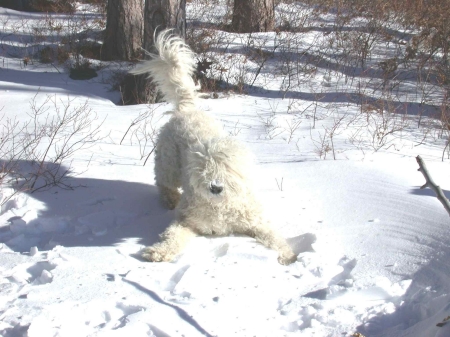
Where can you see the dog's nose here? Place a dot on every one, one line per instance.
(216, 188)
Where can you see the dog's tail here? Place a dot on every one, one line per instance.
(172, 70)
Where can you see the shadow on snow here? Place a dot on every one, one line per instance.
(87, 212)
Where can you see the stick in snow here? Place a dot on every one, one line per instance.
(430, 183)
(444, 321)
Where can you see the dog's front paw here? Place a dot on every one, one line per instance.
(287, 259)
(152, 254)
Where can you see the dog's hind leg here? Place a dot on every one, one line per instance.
(169, 196)
(168, 168)
(173, 241)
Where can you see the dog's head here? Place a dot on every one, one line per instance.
(219, 169)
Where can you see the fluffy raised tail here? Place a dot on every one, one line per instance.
(172, 70)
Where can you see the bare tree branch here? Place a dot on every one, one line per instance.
(431, 184)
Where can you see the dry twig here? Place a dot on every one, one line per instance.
(431, 184)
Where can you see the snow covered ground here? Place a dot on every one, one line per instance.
(373, 248)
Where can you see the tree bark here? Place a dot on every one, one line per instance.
(253, 16)
(162, 14)
(124, 30)
(158, 15)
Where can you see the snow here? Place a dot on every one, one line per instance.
(373, 248)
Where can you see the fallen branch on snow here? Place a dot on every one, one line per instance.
(444, 321)
(431, 184)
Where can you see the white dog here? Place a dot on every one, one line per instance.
(194, 154)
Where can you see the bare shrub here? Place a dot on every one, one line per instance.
(383, 123)
(322, 144)
(143, 130)
(60, 6)
(291, 127)
(223, 66)
(236, 129)
(293, 17)
(445, 125)
(271, 127)
(381, 55)
(36, 154)
(55, 37)
(326, 138)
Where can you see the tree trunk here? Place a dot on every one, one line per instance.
(162, 14)
(158, 15)
(124, 30)
(253, 16)
(138, 89)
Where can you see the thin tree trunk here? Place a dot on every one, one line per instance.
(124, 30)
(253, 16)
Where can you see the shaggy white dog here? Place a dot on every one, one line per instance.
(194, 154)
